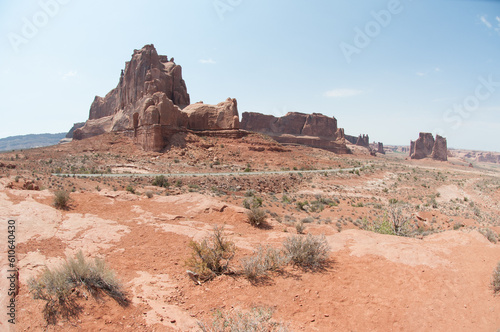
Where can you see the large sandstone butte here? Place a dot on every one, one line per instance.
(426, 146)
(151, 104)
(315, 130)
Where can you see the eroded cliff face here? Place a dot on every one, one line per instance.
(315, 130)
(428, 147)
(293, 123)
(151, 104)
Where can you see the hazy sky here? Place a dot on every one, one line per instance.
(389, 69)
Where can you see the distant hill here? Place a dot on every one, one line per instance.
(29, 141)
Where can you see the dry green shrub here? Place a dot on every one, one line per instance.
(307, 251)
(211, 256)
(57, 286)
(61, 200)
(495, 279)
(252, 202)
(263, 260)
(256, 320)
(300, 227)
(489, 234)
(256, 216)
(149, 194)
(161, 181)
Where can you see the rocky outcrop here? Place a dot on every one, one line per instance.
(145, 74)
(222, 116)
(151, 103)
(426, 146)
(293, 123)
(488, 158)
(380, 148)
(363, 140)
(76, 126)
(315, 130)
(440, 149)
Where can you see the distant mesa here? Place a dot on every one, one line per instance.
(315, 130)
(428, 147)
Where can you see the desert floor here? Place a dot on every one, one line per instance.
(436, 278)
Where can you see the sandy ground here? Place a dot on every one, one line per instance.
(372, 282)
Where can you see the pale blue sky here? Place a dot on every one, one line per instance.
(423, 66)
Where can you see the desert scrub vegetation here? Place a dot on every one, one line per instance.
(310, 252)
(300, 227)
(394, 222)
(61, 200)
(130, 189)
(161, 181)
(58, 287)
(489, 234)
(211, 257)
(252, 202)
(258, 319)
(263, 260)
(256, 216)
(495, 280)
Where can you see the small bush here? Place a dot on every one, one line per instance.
(250, 193)
(256, 320)
(211, 256)
(256, 217)
(61, 200)
(130, 189)
(149, 194)
(56, 287)
(308, 220)
(300, 227)
(302, 205)
(161, 181)
(307, 252)
(263, 260)
(495, 279)
(252, 202)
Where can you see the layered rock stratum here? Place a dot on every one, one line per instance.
(315, 130)
(151, 104)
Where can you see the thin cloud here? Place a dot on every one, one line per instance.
(209, 61)
(69, 74)
(422, 73)
(485, 21)
(342, 93)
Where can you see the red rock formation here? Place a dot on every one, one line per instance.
(293, 123)
(425, 146)
(380, 148)
(440, 149)
(422, 147)
(222, 116)
(316, 130)
(151, 102)
(363, 140)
